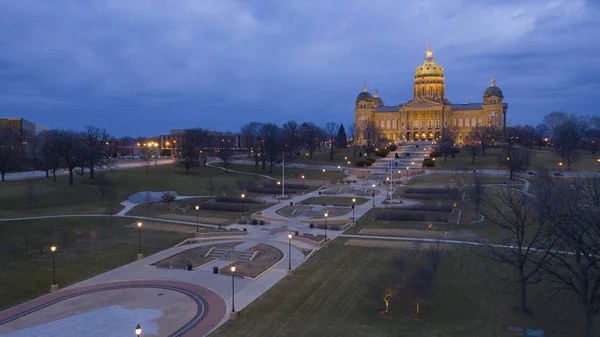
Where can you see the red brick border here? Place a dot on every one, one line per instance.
(216, 306)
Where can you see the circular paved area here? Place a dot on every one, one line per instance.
(162, 308)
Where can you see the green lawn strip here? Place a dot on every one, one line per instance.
(84, 196)
(332, 294)
(87, 246)
(337, 201)
(541, 158)
(290, 172)
(322, 158)
(368, 221)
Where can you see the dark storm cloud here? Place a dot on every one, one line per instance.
(143, 67)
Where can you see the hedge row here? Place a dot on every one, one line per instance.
(431, 196)
(224, 206)
(382, 152)
(269, 190)
(435, 154)
(428, 162)
(412, 216)
(239, 200)
(446, 207)
(287, 185)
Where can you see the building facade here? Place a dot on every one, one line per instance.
(424, 117)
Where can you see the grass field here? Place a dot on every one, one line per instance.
(84, 196)
(87, 246)
(333, 294)
(541, 158)
(322, 158)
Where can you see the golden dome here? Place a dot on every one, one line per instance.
(429, 67)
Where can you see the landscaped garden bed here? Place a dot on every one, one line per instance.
(194, 256)
(267, 257)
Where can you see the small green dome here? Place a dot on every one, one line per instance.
(493, 91)
(364, 96)
(377, 101)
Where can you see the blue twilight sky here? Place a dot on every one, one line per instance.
(141, 67)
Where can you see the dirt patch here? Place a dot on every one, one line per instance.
(192, 218)
(194, 256)
(267, 257)
(396, 244)
(403, 232)
(159, 226)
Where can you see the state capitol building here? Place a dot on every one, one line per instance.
(423, 117)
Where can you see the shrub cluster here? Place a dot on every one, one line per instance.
(224, 206)
(364, 162)
(239, 200)
(428, 162)
(435, 154)
(392, 148)
(412, 216)
(382, 152)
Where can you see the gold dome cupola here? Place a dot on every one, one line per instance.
(429, 79)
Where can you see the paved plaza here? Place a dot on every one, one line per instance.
(177, 302)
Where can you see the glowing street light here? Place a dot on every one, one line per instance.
(353, 205)
(138, 330)
(290, 250)
(373, 195)
(323, 177)
(54, 286)
(140, 255)
(197, 225)
(326, 215)
(232, 288)
(243, 209)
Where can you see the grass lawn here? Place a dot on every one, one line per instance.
(333, 294)
(84, 196)
(541, 158)
(368, 221)
(338, 201)
(449, 178)
(86, 247)
(322, 158)
(290, 172)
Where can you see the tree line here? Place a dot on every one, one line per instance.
(54, 150)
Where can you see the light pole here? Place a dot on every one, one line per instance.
(560, 164)
(197, 226)
(345, 159)
(243, 209)
(598, 161)
(326, 215)
(232, 288)
(323, 178)
(140, 255)
(138, 330)
(302, 180)
(373, 195)
(347, 164)
(353, 205)
(54, 286)
(387, 179)
(290, 251)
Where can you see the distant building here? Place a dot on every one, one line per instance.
(25, 128)
(214, 140)
(424, 117)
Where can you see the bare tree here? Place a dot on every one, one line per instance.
(168, 198)
(272, 139)
(252, 130)
(485, 136)
(104, 185)
(477, 192)
(190, 144)
(291, 136)
(567, 137)
(446, 143)
(515, 160)
(473, 149)
(573, 214)
(69, 149)
(331, 132)
(542, 132)
(96, 149)
(553, 120)
(516, 214)
(11, 153)
(371, 134)
(147, 156)
(353, 134)
(310, 136)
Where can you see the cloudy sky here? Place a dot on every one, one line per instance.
(141, 67)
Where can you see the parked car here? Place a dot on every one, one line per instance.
(558, 174)
(531, 173)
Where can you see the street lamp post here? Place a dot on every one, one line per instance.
(232, 289)
(302, 180)
(347, 162)
(387, 179)
(140, 255)
(373, 195)
(197, 225)
(326, 215)
(54, 286)
(290, 251)
(138, 330)
(560, 164)
(353, 205)
(598, 161)
(323, 178)
(243, 209)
